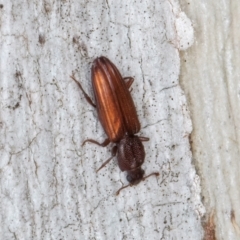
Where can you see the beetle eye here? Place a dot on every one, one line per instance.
(129, 178)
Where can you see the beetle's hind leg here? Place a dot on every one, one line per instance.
(89, 100)
(114, 152)
(103, 144)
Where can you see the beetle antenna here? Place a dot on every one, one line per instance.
(129, 185)
(118, 191)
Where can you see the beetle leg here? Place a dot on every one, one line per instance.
(104, 144)
(114, 152)
(144, 139)
(84, 93)
(128, 81)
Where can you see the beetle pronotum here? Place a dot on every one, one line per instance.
(118, 116)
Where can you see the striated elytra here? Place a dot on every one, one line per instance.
(118, 116)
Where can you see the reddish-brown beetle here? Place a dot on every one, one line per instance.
(118, 116)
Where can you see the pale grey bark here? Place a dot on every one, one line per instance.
(49, 187)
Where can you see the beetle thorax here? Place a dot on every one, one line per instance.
(130, 153)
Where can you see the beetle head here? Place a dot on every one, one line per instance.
(135, 176)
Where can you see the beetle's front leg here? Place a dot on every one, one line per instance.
(89, 100)
(114, 152)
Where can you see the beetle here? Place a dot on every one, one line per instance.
(118, 116)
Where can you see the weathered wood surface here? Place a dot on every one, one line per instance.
(210, 76)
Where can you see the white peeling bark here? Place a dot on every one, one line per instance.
(210, 76)
(49, 188)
